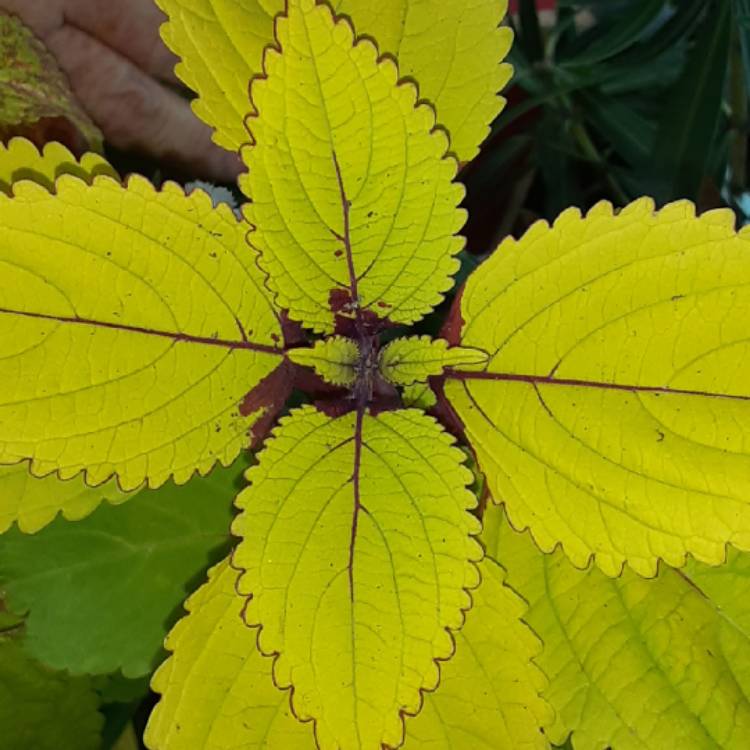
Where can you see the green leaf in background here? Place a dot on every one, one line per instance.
(627, 130)
(102, 592)
(635, 663)
(742, 20)
(638, 16)
(691, 112)
(667, 36)
(33, 89)
(44, 710)
(530, 38)
(120, 698)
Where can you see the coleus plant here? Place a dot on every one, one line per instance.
(596, 371)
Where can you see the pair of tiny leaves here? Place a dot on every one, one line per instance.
(403, 362)
(547, 310)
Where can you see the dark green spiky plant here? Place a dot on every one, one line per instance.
(596, 370)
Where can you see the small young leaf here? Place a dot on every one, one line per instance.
(454, 50)
(134, 323)
(414, 359)
(44, 710)
(353, 203)
(218, 692)
(334, 359)
(81, 582)
(617, 387)
(632, 663)
(34, 502)
(419, 396)
(358, 552)
(21, 160)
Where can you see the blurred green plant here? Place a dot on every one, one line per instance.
(618, 99)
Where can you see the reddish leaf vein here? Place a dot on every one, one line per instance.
(181, 337)
(537, 380)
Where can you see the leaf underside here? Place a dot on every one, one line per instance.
(357, 550)
(454, 50)
(33, 503)
(20, 159)
(353, 202)
(133, 323)
(612, 416)
(218, 692)
(636, 663)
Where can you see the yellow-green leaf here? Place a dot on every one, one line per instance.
(489, 693)
(353, 203)
(614, 414)
(334, 359)
(727, 585)
(453, 51)
(20, 159)
(414, 359)
(33, 502)
(217, 690)
(132, 325)
(633, 663)
(357, 550)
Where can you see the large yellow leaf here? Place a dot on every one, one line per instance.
(132, 324)
(34, 502)
(218, 692)
(633, 663)
(614, 414)
(453, 50)
(358, 553)
(352, 199)
(20, 159)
